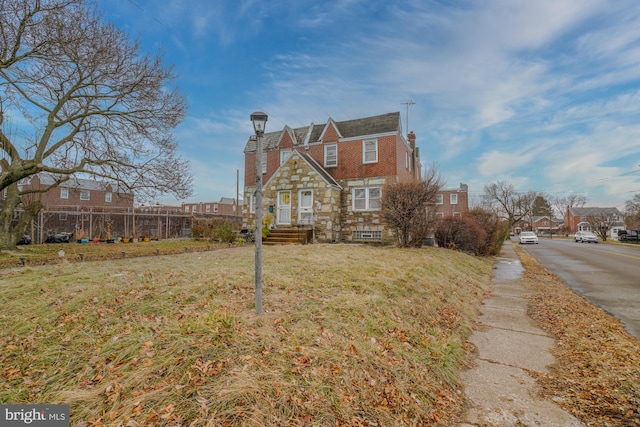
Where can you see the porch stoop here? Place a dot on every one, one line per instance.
(288, 236)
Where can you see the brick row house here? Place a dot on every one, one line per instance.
(330, 177)
(75, 192)
(453, 201)
(226, 206)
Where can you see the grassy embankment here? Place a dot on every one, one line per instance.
(350, 335)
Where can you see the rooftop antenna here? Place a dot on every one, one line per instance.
(408, 104)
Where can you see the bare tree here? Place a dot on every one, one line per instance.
(512, 205)
(564, 203)
(93, 105)
(602, 222)
(632, 212)
(405, 207)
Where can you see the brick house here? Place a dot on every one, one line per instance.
(453, 201)
(330, 176)
(76, 192)
(577, 219)
(542, 224)
(226, 206)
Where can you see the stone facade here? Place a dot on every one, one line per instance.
(330, 177)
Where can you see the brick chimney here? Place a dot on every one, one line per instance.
(412, 139)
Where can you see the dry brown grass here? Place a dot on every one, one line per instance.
(597, 373)
(350, 335)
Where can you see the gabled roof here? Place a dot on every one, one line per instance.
(594, 211)
(312, 164)
(320, 170)
(374, 125)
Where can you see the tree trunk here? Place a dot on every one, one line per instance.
(10, 233)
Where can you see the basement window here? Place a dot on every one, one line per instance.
(367, 236)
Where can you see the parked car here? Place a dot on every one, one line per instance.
(585, 237)
(528, 237)
(24, 240)
(59, 238)
(629, 235)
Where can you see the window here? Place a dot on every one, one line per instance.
(252, 204)
(108, 197)
(207, 208)
(215, 207)
(366, 198)
(370, 151)
(64, 193)
(186, 208)
(264, 162)
(331, 155)
(367, 235)
(453, 199)
(439, 199)
(85, 195)
(63, 216)
(284, 155)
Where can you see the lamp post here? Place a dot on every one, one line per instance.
(259, 120)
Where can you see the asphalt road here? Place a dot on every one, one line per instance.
(607, 275)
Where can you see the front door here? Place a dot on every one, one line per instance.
(284, 208)
(305, 208)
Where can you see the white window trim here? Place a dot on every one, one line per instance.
(439, 199)
(284, 155)
(327, 162)
(252, 204)
(453, 197)
(83, 193)
(64, 193)
(364, 150)
(108, 197)
(367, 199)
(264, 163)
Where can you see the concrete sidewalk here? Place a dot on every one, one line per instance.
(498, 389)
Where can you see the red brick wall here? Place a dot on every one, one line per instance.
(52, 197)
(391, 159)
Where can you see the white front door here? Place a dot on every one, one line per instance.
(305, 207)
(284, 208)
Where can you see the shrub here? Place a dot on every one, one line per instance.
(461, 233)
(405, 208)
(479, 232)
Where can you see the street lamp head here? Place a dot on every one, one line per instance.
(259, 120)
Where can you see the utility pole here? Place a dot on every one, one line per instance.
(408, 104)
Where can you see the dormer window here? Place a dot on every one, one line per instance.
(330, 155)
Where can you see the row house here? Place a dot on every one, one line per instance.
(75, 193)
(330, 176)
(453, 201)
(226, 206)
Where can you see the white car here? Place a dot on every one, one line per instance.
(585, 237)
(528, 237)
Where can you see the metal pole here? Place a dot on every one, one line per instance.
(258, 235)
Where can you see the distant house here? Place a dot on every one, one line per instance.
(76, 193)
(577, 219)
(330, 176)
(544, 224)
(226, 206)
(453, 201)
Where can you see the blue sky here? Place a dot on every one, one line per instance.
(544, 95)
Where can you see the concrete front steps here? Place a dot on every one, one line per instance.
(288, 236)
